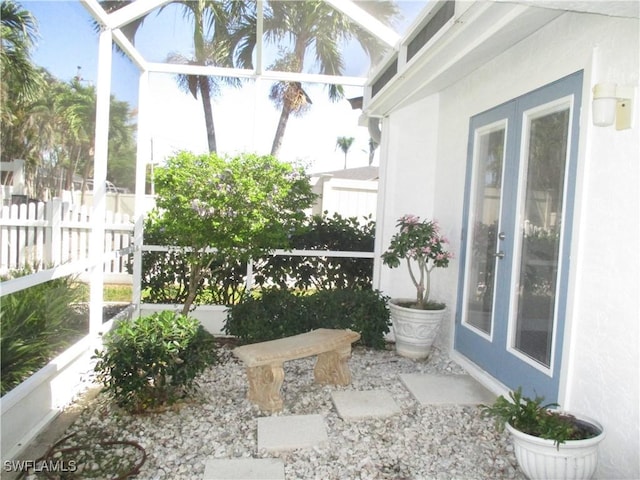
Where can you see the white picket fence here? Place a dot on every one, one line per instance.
(41, 235)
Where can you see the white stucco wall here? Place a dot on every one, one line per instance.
(601, 365)
(408, 185)
(603, 374)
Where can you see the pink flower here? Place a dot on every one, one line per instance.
(410, 219)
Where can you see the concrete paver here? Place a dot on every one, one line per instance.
(431, 389)
(290, 432)
(358, 405)
(244, 469)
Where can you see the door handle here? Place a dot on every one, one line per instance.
(502, 236)
(499, 254)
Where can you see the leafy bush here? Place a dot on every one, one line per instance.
(281, 313)
(275, 313)
(36, 324)
(335, 233)
(242, 206)
(363, 311)
(152, 361)
(165, 277)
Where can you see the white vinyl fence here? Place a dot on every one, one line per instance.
(54, 233)
(349, 198)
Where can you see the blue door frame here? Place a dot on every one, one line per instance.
(493, 350)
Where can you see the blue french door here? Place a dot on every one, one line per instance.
(515, 245)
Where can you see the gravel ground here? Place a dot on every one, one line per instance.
(432, 442)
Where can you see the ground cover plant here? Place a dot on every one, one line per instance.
(117, 293)
(151, 362)
(36, 324)
(278, 313)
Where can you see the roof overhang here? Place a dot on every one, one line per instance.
(473, 35)
(611, 8)
(476, 33)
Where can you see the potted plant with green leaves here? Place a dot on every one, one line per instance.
(548, 443)
(416, 321)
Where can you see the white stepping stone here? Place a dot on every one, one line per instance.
(244, 469)
(430, 389)
(358, 405)
(291, 432)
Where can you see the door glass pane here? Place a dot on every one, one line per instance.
(539, 230)
(483, 227)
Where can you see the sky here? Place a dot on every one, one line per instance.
(245, 120)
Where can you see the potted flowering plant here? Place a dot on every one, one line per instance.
(416, 321)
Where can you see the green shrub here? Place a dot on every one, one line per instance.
(274, 314)
(165, 275)
(242, 206)
(36, 324)
(152, 361)
(322, 232)
(363, 311)
(281, 313)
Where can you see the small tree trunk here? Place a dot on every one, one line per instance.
(195, 275)
(194, 280)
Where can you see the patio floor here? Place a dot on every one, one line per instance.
(398, 419)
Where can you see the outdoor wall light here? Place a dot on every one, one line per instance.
(612, 104)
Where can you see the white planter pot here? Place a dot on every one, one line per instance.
(414, 330)
(542, 459)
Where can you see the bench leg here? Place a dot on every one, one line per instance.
(332, 367)
(264, 386)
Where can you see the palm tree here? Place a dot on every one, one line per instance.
(312, 29)
(208, 87)
(129, 30)
(74, 114)
(48, 123)
(216, 17)
(18, 31)
(345, 144)
(289, 97)
(213, 19)
(62, 126)
(121, 167)
(21, 82)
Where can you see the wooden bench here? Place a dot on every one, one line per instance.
(264, 362)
